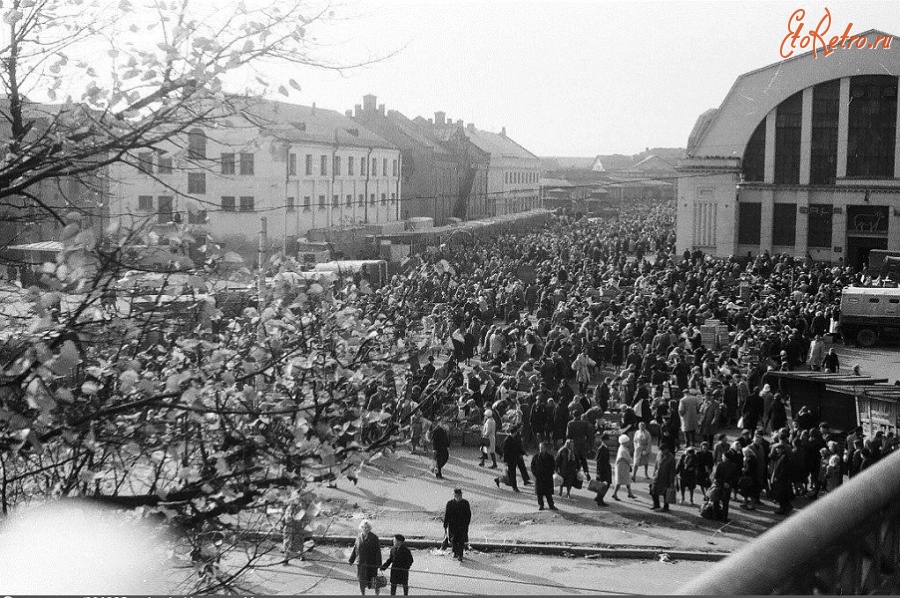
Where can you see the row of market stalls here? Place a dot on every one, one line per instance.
(843, 401)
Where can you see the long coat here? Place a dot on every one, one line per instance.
(780, 485)
(604, 469)
(624, 461)
(664, 476)
(643, 449)
(368, 551)
(543, 466)
(567, 466)
(689, 410)
(457, 516)
(709, 418)
(489, 431)
(402, 559)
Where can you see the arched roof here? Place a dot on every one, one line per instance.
(756, 93)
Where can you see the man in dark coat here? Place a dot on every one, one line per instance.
(441, 443)
(725, 477)
(580, 431)
(457, 516)
(540, 418)
(543, 465)
(400, 561)
(368, 551)
(663, 478)
(513, 454)
(604, 470)
(780, 485)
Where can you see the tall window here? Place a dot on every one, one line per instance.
(164, 209)
(362, 198)
(227, 163)
(384, 167)
(321, 202)
(349, 200)
(394, 168)
(749, 223)
(350, 165)
(292, 164)
(247, 204)
(323, 165)
(145, 203)
(753, 165)
(196, 144)
(164, 164)
(335, 201)
(290, 205)
(362, 166)
(197, 183)
(246, 163)
(227, 203)
(788, 117)
(823, 158)
(372, 198)
(307, 203)
(819, 225)
(145, 162)
(374, 167)
(872, 126)
(336, 167)
(384, 198)
(784, 225)
(308, 164)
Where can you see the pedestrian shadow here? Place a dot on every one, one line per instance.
(543, 582)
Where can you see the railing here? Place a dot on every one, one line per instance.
(847, 542)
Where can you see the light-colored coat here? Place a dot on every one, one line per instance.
(689, 410)
(582, 368)
(624, 461)
(643, 449)
(489, 431)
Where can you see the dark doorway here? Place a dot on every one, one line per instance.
(858, 249)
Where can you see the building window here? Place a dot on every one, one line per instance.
(290, 204)
(308, 164)
(384, 167)
(336, 166)
(227, 203)
(164, 209)
(823, 157)
(292, 164)
(372, 199)
(323, 165)
(753, 166)
(247, 204)
(145, 203)
(374, 169)
(196, 144)
(335, 201)
(321, 202)
(384, 198)
(227, 161)
(749, 223)
(349, 200)
(362, 198)
(350, 165)
(393, 197)
(788, 116)
(197, 183)
(164, 164)
(784, 225)
(872, 126)
(819, 225)
(362, 166)
(246, 163)
(145, 162)
(394, 168)
(307, 203)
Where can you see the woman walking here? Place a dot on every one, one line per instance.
(624, 461)
(368, 552)
(489, 439)
(643, 451)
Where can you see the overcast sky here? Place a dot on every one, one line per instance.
(564, 78)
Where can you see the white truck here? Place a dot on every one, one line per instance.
(868, 313)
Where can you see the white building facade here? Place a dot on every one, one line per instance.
(802, 157)
(300, 167)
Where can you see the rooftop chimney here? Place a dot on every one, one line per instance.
(503, 132)
(358, 109)
(349, 113)
(470, 126)
(439, 117)
(369, 102)
(459, 122)
(381, 109)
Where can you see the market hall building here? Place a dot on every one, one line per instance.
(802, 157)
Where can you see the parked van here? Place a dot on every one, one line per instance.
(868, 313)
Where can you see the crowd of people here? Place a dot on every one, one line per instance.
(588, 335)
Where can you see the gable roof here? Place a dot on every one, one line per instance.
(566, 163)
(497, 145)
(293, 122)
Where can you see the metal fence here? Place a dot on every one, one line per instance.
(847, 542)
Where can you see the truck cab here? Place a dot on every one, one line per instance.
(868, 313)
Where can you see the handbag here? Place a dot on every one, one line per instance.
(671, 497)
(557, 480)
(597, 486)
(485, 441)
(380, 581)
(740, 424)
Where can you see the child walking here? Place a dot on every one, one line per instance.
(400, 561)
